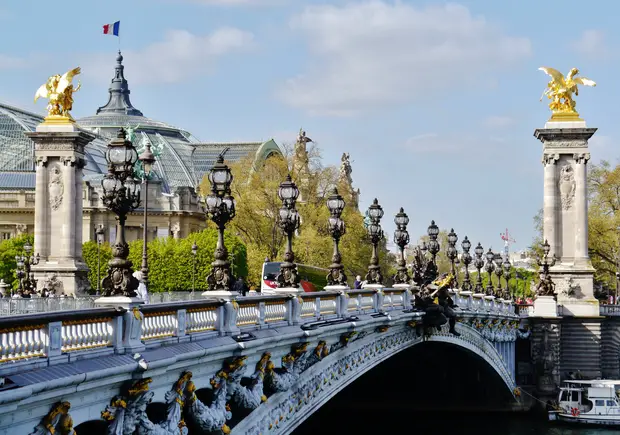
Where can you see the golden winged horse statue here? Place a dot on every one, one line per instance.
(59, 92)
(560, 91)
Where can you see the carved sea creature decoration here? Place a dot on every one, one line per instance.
(281, 379)
(210, 418)
(57, 421)
(251, 396)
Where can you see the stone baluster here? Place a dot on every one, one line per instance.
(379, 296)
(182, 325)
(230, 312)
(294, 306)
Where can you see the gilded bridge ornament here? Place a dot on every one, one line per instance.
(59, 92)
(560, 91)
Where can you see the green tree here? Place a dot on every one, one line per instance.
(8, 250)
(89, 253)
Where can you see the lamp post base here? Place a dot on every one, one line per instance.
(119, 301)
(283, 291)
(337, 287)
(545, 306)
(373, 286)
(399, 286)
(221, 294)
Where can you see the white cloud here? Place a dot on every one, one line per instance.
(591, 44)
(499, 121)
(181, 54)
(374, 53)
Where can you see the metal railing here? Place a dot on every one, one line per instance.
(610, 310)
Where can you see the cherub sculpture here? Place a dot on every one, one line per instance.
(560, 90)
(59, 92)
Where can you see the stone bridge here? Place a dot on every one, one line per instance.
(254, 365)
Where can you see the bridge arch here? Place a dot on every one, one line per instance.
(324, 380)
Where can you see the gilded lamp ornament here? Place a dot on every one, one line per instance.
(58, 90)
(375, 234)
(560, 90)
(288, 221)
(337, 229)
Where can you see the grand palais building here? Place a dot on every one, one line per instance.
(182, 160)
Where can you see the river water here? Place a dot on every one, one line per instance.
(384, 421)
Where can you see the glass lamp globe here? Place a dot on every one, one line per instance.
(194, 249)
(110, 184)
(466, 244)
(452, 237)
(375, 211)
(490, 256)
(433, 230)
(220, 176)
(288, 191)
(479, 250)
(546, 248)
(213, 203)
(401, 219)
(27, 247)
(335, 203)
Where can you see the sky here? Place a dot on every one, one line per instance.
(436, 102)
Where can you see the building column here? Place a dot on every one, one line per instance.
(68, 229)
(581, 208)
(550, 201)
(41, 210)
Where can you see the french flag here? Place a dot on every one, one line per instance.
(111, 29)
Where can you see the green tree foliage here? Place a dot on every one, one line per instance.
(8, 250)
(89, 253)
(257, 204)
(170, 260)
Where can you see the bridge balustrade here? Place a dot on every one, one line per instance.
(610, 310)
(52, 338)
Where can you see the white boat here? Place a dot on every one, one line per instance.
(594, 402)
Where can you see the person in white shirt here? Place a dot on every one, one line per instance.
(142, 290)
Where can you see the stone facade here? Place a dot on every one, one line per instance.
(565, 210)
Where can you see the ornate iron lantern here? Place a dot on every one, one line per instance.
(546, 286)
(375, 233)
(490, 267)
(121, 195)
(221, 208)
(401, 238)
(336, 228)
(147, 158)
(289, 222)
(499, 271)
(507, 269)
(452, 253)
(479, 264)
(27, 283)
(466, 259)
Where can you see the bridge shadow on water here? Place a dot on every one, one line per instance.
(436, 387)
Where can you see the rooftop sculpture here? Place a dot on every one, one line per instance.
(58, 90)
(560, 91)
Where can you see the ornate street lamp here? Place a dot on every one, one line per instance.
(221, 208)
(336, 228)
(507, 269)
(100, 235)
(498, 272)
(194, 253)
(148, 159)
(466, 259)
(27, 283)
(375, 233)
(479, 264)
(490, 267)
(121, 195)
(424, 248)
(401, 238)
(545, 286)
(289, 223)
(452, 253)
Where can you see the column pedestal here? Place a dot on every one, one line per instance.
(59, 152)
(565, 156)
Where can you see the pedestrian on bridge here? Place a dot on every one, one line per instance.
(357, 284)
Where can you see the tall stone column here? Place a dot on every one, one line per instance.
(59, 152)
(565, 155)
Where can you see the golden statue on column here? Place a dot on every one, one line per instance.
(58, 90)
(560, 91)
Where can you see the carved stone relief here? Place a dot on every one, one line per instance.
(567, 186)
(56, 187)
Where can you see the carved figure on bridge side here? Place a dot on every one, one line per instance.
(281, 379)
(211, 418)
(445, 300)
(251, 396)
(57, 421)
(545, 286)
(319, 352)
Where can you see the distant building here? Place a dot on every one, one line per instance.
(520, 260)
(182, 160)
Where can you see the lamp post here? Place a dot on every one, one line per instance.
(375, 233)
(479, 264)
(27, 283)
(401, 237)
(121, 195)
(336, 228)
(147, 159)
(194, 253)
(221, 207)
(466, 259)
(289, 223)
(507, 269)
(498, 272)
(546, 287)
(99, 233)
(490, 267)
(452, 253)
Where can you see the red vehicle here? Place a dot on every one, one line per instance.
(312, 279)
